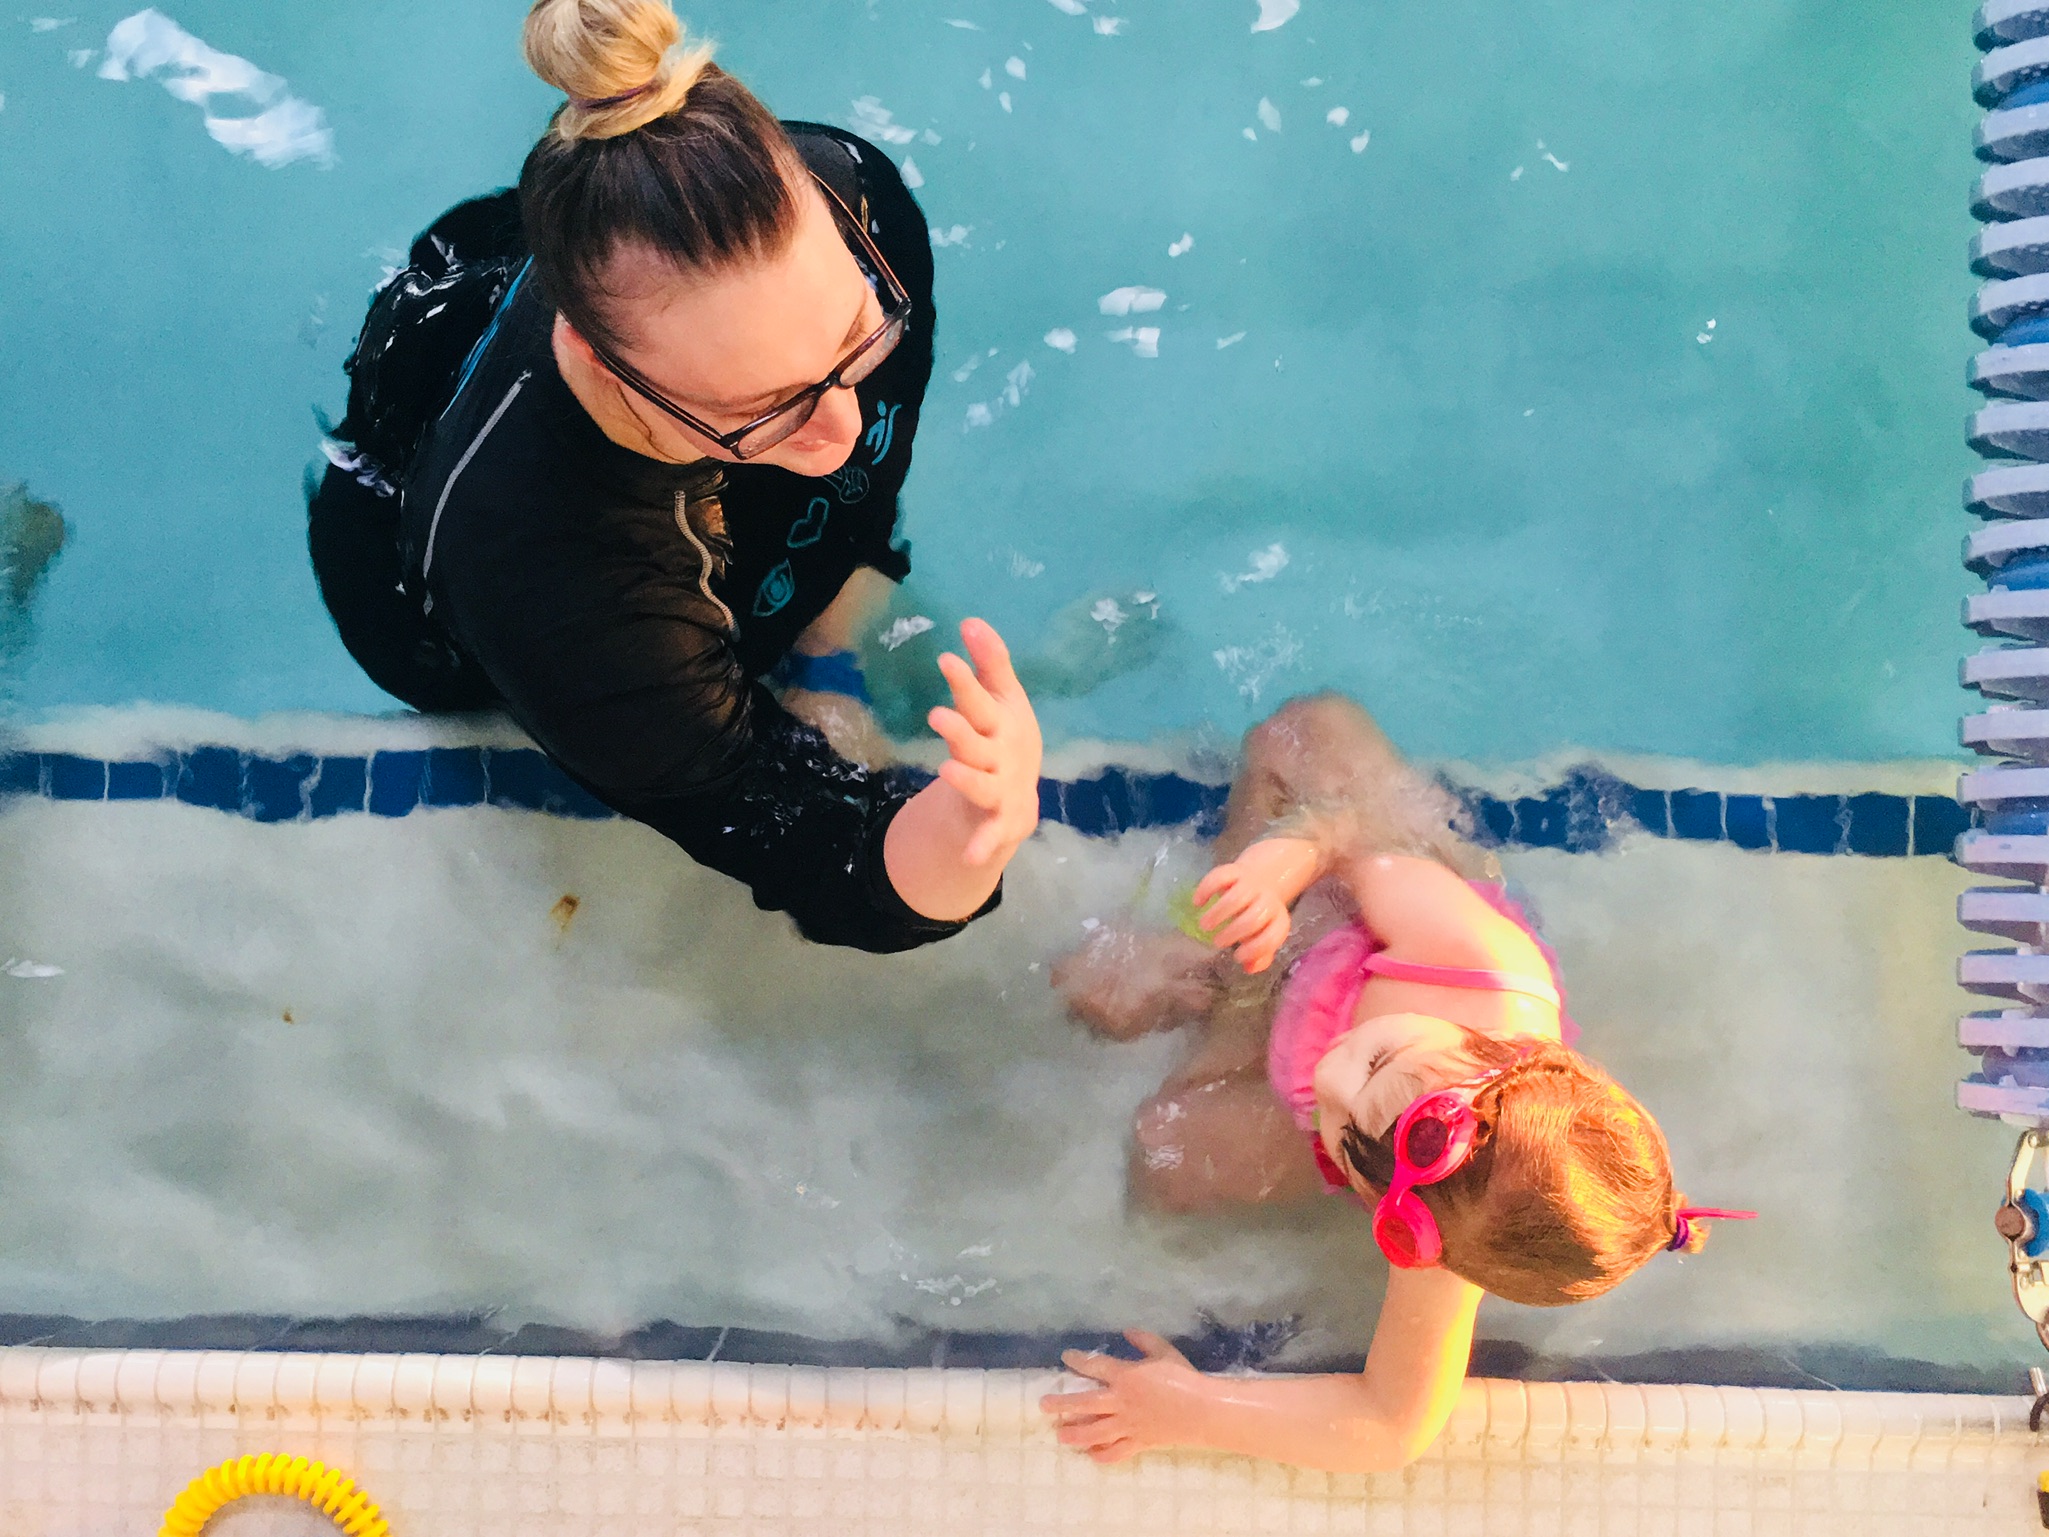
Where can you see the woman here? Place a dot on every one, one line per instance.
(620, 443)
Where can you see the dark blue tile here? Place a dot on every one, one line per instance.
(1049, 801)
(274, 789)
(135, 781)
(520, 778)
(1697, 815)
(211, 776)
(1543, 822)
(1937, 823)
(455, 777)
(1652, 810)
(339, 785)
(1596, 802)
(75, 779)
(1807, 824)
(1493, 820)
(1085, 806)
(21, 773)
(567, 798)
(1165, 800)
(1878, 824)
(397, 780)
(1747, 820)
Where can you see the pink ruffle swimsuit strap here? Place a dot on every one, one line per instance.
(1320, 1000)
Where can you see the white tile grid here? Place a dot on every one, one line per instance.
(98, 1443)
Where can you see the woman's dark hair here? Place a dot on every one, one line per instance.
(656, 147)
(1568, 1188)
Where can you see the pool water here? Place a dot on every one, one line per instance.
(1542, 374)
(1568, 382)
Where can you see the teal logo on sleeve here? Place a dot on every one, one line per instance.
(775, 591)
(810, 528)
(883, 433)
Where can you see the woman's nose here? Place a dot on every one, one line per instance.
(836, 423)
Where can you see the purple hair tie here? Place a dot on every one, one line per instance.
(599, 103)
(1682, 1222)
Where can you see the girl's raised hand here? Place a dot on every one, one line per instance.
(993, 737)
(1135, 1405)
(1243, 906)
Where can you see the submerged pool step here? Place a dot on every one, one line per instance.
(2021, 373)
(1995, 789)
(2016, 427)
(2009, 21)
(2010, 68)
(2008, 672)
(2004, 1030)
(2018, 913)
(1991, 550)
(2016, 191)
(2007, 733)
(2024, 858)
(2017, 974)
(2009, 491)
(2022, 613)
(2013, 133)
(2006, 301)
(2005, 1100)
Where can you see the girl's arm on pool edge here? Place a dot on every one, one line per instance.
(1374, 1422)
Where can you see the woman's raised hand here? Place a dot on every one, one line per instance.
(993, 737)
(1244, 905)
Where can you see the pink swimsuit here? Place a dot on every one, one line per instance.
(1321, 997)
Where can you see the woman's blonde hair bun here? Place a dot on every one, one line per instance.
(621, 63)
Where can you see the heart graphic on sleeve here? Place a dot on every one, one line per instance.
(810, 528)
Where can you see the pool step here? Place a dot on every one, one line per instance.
(2016, 191)
(2009, 491)
(2019, 372)
(2008, 69)
(2013, 133)
(2004, 1030)
(2010, 21)
(2017, 974)
(2024, 858)
(2009, 672)
(2024, 1105)
(2005, 301)
(2007, 733)
(2022, 613)
(1990, 550)
(2017, 427)
(1994, 788)
(2018, 913)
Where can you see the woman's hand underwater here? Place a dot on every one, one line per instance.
(1136, 1405)
(1244, 905)
(993, 736)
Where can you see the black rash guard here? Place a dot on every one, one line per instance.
(623, 609)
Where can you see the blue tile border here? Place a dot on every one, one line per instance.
(1584, 813)
(1214, 1345)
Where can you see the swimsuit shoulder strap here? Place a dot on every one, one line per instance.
(1380, 963)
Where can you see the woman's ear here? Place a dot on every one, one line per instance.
(571, 339)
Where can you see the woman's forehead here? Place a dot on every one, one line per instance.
(766, 326)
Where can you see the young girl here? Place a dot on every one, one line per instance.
(1415, 1054)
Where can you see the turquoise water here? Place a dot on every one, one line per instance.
(1605, 395)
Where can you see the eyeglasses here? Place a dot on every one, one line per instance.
(779, 422)
(1432, 1138)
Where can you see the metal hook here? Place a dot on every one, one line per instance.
(2023, 1221)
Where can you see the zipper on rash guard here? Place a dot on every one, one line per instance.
(441, 506)
(703, 559)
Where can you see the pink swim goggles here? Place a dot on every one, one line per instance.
(1432, 1138)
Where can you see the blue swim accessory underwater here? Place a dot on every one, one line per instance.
(837, 672)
